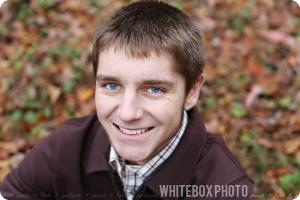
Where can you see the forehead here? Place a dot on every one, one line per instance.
(118, 62)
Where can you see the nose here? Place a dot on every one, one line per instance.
(129, 109)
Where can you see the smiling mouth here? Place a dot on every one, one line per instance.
(133, 131)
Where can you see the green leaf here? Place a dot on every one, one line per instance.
(218, 81)
(38, 131)
(17, 66)
(200, 109)
(16, 115)
(296, 21)
(221, 101)
(68, 86)
(271, 104)
(71, 112)
(236, 96)
(270, 49)
(3, 30)
(32, 104)
(44, 95)
(285, 102)
(269, 68)
(176, 4)
(77, 75)
(245, 14)
(47, 112)
(31, 117)
(245, 78)
(238, 110)
(47, 62)
(43, 31)
(210, 101)
(264, 92)
(46, 3)
(298, 162)
(23, 11)
(237, 25)
(289, 181)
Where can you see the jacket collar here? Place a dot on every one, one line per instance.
(176, 170)
(98, 160)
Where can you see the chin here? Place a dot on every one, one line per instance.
(134, 156)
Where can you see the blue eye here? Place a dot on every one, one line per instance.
(154, 90)
(112, 86)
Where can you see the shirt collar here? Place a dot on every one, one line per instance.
(118, 163)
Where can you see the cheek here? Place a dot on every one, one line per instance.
(104, 105)
(166, 113)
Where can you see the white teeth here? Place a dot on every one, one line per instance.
(133, 132)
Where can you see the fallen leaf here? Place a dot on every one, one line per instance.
(210, 73)
(275, 36)
(54, 93)
(266, 143)
(292, 145)
(10, 147)
(255, 91)
(254, 68)
(212, 126)
(292, 60)
(275, 172)
(4, 168)
(85, 94)
(207, 23)
(3, 154)
(21, 143)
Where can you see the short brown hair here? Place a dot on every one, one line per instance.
(153, 25)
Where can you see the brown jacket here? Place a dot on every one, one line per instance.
(72, 163)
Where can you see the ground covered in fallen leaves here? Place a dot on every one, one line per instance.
(251, 95)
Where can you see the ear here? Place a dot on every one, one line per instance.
(193, 94)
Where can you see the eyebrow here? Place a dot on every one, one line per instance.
(101, 78)
(162, 83)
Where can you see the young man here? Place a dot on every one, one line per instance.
(150, 142)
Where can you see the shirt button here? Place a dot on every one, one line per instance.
(132, 191)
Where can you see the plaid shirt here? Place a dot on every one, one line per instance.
(132, 176)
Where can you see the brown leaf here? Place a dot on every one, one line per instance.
(255, 91)
(266, 143)
(207, 23)
(21, 143)
(3, 154)
(260, 113)
(275, 172)
(85, 94)
(210, 73)
(292, 145)
(254, 68)
(292, 60)
(10, 147)
(4, 168)
(54, 93)
(87, 108)
(212, 126)
(26, 126)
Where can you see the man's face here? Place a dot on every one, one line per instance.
(139, 103)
